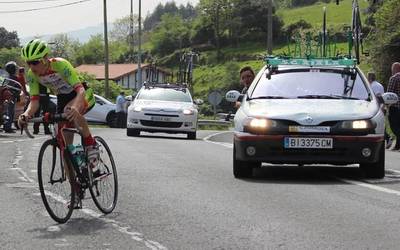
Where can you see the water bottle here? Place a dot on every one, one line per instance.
(78, 154)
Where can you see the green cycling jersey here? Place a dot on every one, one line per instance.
(61, 78)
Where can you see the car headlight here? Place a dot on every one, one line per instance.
(357, 125)
(258, 125)
(188, 112)
(137, 109)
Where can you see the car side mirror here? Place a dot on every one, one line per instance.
(233, 96)
(390, 98)
(198, 101)
(129, 98)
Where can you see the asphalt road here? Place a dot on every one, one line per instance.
(181, 194)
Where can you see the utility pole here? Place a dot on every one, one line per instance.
(131, 39)
(107, 91)
(269, 35)
(140, 44)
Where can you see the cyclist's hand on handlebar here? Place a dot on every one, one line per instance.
(72, 113)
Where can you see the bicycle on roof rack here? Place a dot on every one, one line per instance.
(356, 46)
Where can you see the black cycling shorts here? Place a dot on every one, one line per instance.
(64, 99)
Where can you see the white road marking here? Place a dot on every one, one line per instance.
(394, 171)
(136, 236)
(224, 144)
(53, 229)
(358, 183)
(371, 186)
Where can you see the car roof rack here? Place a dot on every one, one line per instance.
(149, 85)
(273, 63)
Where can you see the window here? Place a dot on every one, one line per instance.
(164, 94)
(315, 82)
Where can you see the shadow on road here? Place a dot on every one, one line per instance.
(165, 137)
(74, 227)
(304, 175)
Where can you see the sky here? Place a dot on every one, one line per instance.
(67, 18)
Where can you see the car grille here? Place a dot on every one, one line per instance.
(311, 152)
(163, 115)
(161, 124)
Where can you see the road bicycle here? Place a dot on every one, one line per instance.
(356, 29)
(61, 177)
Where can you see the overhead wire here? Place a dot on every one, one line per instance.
(42, 8)
(26, 1)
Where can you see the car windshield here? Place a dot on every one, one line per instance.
(165, 94)
(310, 84)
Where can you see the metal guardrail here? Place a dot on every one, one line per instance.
(214, 123)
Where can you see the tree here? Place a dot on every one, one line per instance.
(172, 33)
(384, 39)
(13, 54)
(187, 12)
(8, 39)
(121, 28)
(91, 52)
(218, 13)
(254, 18)
(64, 46)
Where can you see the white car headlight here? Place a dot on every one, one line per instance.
(258, 125)
(137, 109)
(357, 125)
(188, 112)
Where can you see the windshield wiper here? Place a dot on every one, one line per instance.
(346, 97)
(318, 97)
(268, 97)
(327, 97)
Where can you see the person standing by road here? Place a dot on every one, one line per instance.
(120, 110)
(394, 110)
(378, 89)
(44, 104)
(9, 110)
(375, 85)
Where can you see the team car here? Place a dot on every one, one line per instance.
(163, 108)
(310, 111)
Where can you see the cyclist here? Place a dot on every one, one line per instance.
(58, 75)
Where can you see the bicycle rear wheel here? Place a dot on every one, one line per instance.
(104, 188)
(55, 189)
(356, 30)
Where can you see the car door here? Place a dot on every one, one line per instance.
(97, 113)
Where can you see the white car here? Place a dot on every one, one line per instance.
(163, 108)
(310, 112)
(103, 111)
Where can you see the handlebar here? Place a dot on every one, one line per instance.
(47, 118)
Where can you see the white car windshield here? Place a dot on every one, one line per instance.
(165, 94)
(310, 84)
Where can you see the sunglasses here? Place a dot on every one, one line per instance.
(36, 62)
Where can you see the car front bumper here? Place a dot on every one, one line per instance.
(270, 149)
(179, 124)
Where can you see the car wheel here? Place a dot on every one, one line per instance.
(112, 119)
(191, 135)
(132, 132)
(375, 170)
(241, 169)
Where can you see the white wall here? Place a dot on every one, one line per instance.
(134, 81)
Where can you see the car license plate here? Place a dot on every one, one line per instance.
(309, 129)
(307, 142)
(160, 119)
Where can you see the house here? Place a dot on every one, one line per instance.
(126, 75)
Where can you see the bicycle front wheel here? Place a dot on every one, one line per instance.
(104, 185)
(55, 189)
